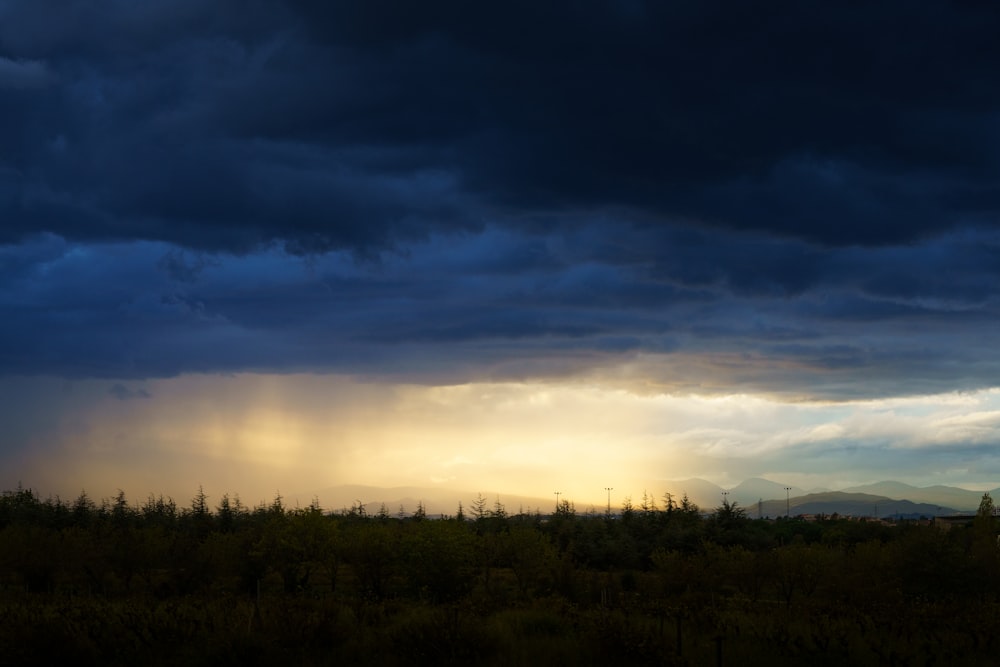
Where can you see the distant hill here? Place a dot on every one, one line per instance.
(952, 496)
(925, 500)
(747, 493)
(850, 504)
(708, 496)
(891, 498)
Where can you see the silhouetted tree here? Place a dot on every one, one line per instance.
(479, 508)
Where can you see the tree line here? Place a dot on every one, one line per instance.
(640, 581)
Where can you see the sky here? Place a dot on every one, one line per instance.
(277, 246)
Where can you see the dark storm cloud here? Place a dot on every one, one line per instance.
(181, 267)
(22, 74)
(140, 310)
(339, 125)
(780, 199)
(833, 123)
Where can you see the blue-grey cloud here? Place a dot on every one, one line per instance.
(123, 393)
(321, 126)
(461, 308)
(17, 74)
(793, 200)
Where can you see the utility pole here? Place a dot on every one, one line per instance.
(609, 489)
(558, 493)
(787, 489)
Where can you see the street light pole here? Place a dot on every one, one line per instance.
(609, 489)
(558, 493)
(787, 489)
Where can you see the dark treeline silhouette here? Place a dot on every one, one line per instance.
(658, 583)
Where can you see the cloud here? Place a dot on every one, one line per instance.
(22, 74)
(301, 433)
(222, 128)
(682, 197)
(182, 267)
(679, 313)
(794, 206)
(123, 393)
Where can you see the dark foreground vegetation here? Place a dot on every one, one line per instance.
(118, 583)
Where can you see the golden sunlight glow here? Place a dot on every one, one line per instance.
(302, 434)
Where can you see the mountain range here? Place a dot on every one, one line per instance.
(760, 497)
(887, 498)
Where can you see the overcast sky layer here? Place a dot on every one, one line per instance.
(638, 208)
